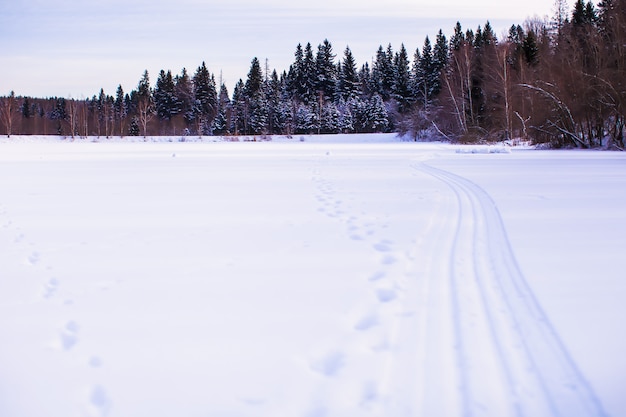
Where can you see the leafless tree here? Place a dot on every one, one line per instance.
(503, 78)
(7, 110)
(72, 116)
(145, 109)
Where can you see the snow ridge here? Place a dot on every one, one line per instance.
(502, 337)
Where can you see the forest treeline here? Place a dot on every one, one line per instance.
(560, 81)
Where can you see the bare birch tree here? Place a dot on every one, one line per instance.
(72, 116)
(7, 108)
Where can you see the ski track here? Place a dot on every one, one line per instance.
(482, 341)
(501, 335)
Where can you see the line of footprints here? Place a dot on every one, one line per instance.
(385, 282)
(97, 402)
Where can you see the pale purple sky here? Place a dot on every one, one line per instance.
(72, 48)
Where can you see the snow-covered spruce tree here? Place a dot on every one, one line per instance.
(120, 109)
(359, 111)
(338, 84)
(257, 106)
(59, 113)
(376, 73)
(166, 103)
(205, 104)
(301, 81)
(383, 72)
(368, 84)
(185, 97)
(424, 74)
(401, 91)
(331, 118)
(286, 116)
(349, 85)
(441, 56)
(346, 123)
(239, 116)
(259, 117)
(326, 70)
(377, 120)
(272, 91)
(307, 86)
(306, 119)
(254, 80)
(295, 73)
(425, 85)
(221, 122)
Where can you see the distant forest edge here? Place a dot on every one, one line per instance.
(560, 81)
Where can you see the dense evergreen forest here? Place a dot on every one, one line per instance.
(561, 82)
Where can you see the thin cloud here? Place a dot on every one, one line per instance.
(75, 47)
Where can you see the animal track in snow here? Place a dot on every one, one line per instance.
(386, 295)
(50, 288)
(369, 393)
(329, 364)
(99, 404)
(377, 276)
(95, 362)
(388, 259)
(34, 258)
(383, 246)
(366, 322)
(69, 335)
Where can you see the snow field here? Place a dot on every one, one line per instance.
(307, 279)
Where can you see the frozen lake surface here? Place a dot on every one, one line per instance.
(335, 276)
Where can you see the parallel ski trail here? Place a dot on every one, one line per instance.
(510, 359)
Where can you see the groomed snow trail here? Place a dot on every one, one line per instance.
(509, 361)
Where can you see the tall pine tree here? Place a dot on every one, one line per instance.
(349, 85)
(185, 96)
(120, 109)
(205, 94)
(307, 87)
(326, 70)
(165, 100)
(257, 114)
(402, 81)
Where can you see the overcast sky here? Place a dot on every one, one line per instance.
(72, 48)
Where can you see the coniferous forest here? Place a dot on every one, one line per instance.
(560, 81)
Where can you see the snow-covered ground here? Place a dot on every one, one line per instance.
(314, 277)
